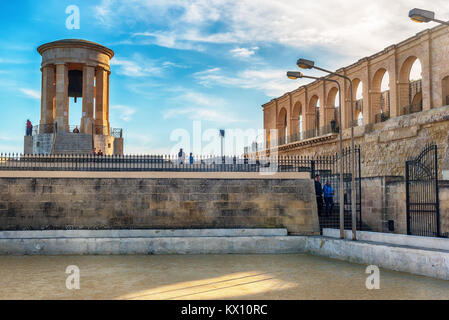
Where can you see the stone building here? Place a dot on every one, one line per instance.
(391, 124)
(74, 69)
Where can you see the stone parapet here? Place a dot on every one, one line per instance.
(158, 203)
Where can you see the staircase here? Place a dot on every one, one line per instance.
(72, 143)
(333, 220)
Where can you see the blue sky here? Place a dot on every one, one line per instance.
(177, 61)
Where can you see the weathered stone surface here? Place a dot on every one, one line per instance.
(51, 203)
(385, 149)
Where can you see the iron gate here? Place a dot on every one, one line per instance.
(329, 170)
(421, 184)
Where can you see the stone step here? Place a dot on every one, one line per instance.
(144, 246)
(67, 143)
(393, 239)
(181, 233)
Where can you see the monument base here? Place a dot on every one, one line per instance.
(72, 143)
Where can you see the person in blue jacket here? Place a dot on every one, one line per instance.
(328, 191)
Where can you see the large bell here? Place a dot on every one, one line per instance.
(75, 84)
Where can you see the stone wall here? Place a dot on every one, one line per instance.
(384, 200)
(112, 203)
(386, 146)
(444, 207)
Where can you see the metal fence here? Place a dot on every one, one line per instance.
(309, 134)
(153, 163)
(327, 167)
(382, 117)
(99, 130)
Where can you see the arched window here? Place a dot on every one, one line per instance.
(380, 96)
(410, 80)
(445, 95)
(360, 119)
(358, 95)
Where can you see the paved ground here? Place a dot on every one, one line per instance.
(206, 277)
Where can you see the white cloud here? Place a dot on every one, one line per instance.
(125, 112)
(353, 28)
(244, 52)
(201, 107)
(139, 66)
(31, 93)
(273, 82)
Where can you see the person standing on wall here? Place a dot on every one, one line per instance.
(319, 194)
(191, 159)
(329, 197)
(29, 128)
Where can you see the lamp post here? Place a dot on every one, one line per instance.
(308, 64)
(424, 16)
(298, 75)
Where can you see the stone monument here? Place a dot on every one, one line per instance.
(74, 69)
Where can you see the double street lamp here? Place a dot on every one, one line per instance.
(308, 64)
(298, 75)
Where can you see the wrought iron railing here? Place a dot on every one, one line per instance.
(43, 129)
(359, 105)
(382, 117)
(309, 134)
(414, 88)
(21, 162)
(104, 130)
(385, 101)
(413, 108)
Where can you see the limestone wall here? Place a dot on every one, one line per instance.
(384, 200)
(386, 146)
(112, 203)
(444, 207)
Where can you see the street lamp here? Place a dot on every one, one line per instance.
(424, 16)
(308, 64)
(298, 75)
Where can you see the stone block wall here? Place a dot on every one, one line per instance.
(444, 207)
(119, 203)
(386, 146)
(384, 199)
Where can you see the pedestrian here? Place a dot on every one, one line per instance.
(181, 156)
(319, 194)
(328, 191)
(191, 159)
(94, 152)
(29, 128)
(76, 130)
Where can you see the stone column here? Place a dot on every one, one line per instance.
(375, 97)
(47, 99)
(62, 98)
(107, 110)
(101, 101)
(402, 90)
(88, 99)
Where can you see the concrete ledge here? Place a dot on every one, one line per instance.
(155, 175)
(420, 261)
(198, 233)
(392, 238)
(134, 246)
(431, 263)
